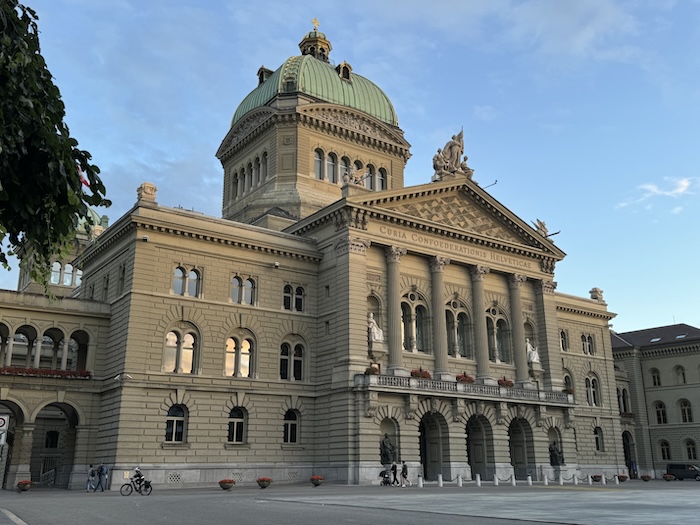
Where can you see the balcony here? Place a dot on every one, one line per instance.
(416, 385)
(45, 372)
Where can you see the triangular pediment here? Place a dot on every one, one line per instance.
(457, 205)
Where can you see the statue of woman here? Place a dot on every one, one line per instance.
(376, 334)
(387, 450)
(452, 152)
(533, 356)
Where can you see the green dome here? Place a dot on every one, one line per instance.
(319, 79)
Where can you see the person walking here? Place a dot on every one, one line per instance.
(394, 470)
(90, 486)
(404, 475)
(101, 478)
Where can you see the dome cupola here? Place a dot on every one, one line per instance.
(315, 43)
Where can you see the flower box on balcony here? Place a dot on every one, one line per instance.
(45, 372)
(506, 383)
(465, 378)
(421, 374)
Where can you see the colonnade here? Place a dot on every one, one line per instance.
(440, 348)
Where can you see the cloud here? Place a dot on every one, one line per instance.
(674, 188)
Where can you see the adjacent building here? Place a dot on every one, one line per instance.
(658, 387)
(332, 319)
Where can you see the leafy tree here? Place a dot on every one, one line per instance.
(42, 193)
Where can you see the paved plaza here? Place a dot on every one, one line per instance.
(632, 502)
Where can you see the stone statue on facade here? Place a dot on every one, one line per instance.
(533, 356)
(387, 451)
(376, 334)
(447, 160)
(556, 456)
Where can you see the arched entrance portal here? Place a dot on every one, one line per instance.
(628, 448)
(434, 446)
(53, 445)
(522, 453)
(479, 449)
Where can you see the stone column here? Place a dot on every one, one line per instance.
(393, 256)
(437, 271)
(515, 282)
(480, 337)
(8, 354)
(21, 458)
(64, 356)
(37, 351)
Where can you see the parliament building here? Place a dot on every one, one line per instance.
(330, 321)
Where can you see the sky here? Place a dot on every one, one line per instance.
(583, 114)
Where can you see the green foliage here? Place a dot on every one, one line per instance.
(42, 198)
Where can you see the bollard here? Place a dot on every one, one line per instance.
(495, 480)
(602, 480)
(459, 480)
(420, 481)
(561, 480)
(617, 480)
(575, 479)
(478, 480)
(546, 481)
(529, 480)
(440, 480)
(590, 480)
(512, 479)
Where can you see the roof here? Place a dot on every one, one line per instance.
(311, 76)
(662, 335)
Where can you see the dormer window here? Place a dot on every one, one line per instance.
(263, 75)
(344, 70)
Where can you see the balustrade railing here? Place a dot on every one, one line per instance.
(433, 385)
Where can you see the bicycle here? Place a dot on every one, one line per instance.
(144, 488)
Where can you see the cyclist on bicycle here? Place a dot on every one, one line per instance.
(138, 478)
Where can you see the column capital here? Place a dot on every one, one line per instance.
(479, 271)
(437, 264)
(515, 280)
(353, 245)
(394, 254)
(548, 286)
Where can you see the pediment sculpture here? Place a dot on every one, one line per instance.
(447, 160)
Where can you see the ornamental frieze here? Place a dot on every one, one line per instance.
(245, 128)
(352, 122)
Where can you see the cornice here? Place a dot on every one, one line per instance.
(105, 242)
(580, 310)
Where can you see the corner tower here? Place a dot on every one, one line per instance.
(308, 126)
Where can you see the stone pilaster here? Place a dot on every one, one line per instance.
(548, 328)
(393, 257)
(480, 336)
(437, 271)
(515, 282)
(8, 354)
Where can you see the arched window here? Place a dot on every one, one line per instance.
(318, 164)
(593, 397)
(563, 341)
(660, 409)
(291, 362)
(498, 337)
(105, 288)
(451, 326)
(291, 427)
(263, 168)
(236, 425)
(655, 377)
(406, 322)
(587, 345)
(686, 411)
(619, 400)
(381, 179)
(568, 384)
(233, 186)
(239, 356)
(293, 298)
(414, 322)
(249, 292)
(665, 450)
(598, 439)
(175, 424)
(331, 171)
(193, 283)
(179, 281)
(464, 347)
(421, 328)
(680, 374)
(78, 277)
(180, 355)
(625, 400)
(344, 168)
(370, 183)
(56, 272)
(68, 275)
(256, 172)
(249, 177)
(690, 450)
(236, 290)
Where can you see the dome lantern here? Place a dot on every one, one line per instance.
(315, 43)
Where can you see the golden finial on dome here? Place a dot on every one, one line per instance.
(316, 23)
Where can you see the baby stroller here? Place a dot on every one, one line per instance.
(386, 477)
